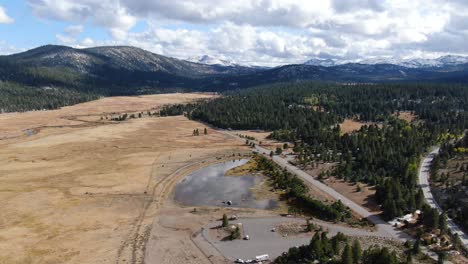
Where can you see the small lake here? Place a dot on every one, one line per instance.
(210, 187)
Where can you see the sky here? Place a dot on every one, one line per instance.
(255, 32)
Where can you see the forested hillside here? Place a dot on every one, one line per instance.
(385, 154)
(19, 98)
(122, 70)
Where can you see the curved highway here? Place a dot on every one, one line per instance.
(426, 188)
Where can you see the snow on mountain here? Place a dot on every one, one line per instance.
(322, 62)
(444, 61)
(209, 60)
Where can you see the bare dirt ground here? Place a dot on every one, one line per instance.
(407, 116)
(80, 192)
(350, 125)
(261, 136)
(364, 198)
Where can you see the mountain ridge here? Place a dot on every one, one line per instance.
(126, 70)
(442, 61)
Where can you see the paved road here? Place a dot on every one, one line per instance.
(425, 186)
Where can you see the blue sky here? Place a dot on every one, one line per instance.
(262, 32)
(29, 31)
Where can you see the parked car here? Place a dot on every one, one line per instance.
(261, 258)
(239, 260)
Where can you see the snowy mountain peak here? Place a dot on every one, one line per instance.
(444, 61)
(210, 60)
(322, 62)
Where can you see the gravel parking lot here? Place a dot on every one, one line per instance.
(264, 241)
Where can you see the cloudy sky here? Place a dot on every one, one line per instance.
(261, 32)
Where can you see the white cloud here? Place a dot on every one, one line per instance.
(4, 18)
(271, 31)
(106, 13)
(6, 48)
(74, 30)
(64, 39)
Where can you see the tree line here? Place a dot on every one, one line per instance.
(19, 98)
(385, 154)
(298, 193)
(339, 250)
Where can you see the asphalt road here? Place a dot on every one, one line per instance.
(426, 188)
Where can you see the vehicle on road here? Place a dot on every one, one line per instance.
(239, 261)
(263, 257)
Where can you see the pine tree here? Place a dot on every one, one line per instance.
(279, 151)
(347, 255)
(235, 234)
(419, 199)
(441, 258)
(443, 222)
(225, 222)
(416, 247)
(309, 226)
(357, 251)
(316, 249)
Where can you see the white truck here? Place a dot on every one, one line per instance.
(264, 257)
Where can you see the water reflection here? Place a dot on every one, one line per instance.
(210, 186)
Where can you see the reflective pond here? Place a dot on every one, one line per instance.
(209, 186)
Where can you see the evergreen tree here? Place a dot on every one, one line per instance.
(347, 255)
(357, 251)
(225, 221)
(316, 249)
(441, 258)
(416, 247)
(278, 151)
(443, 222)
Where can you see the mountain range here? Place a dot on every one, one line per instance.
(123, 70)
(210, 60)
(444, 61)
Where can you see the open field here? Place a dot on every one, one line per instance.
(81, 192)
(16, 124)
(365, 197)
(407, 116)
(350, 125)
